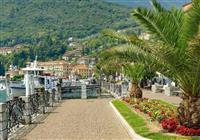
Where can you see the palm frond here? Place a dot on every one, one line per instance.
(166, 29)
(114, 34)
(135, 71)
(191, 24)
(157, 6)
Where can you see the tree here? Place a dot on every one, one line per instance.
(2, 69)
(111, 63)
(135, 72)
(173, 51)
(176, 32)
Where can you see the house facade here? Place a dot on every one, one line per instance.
(61, 69)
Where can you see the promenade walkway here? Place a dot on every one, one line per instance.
(161, 96)
(80, 119)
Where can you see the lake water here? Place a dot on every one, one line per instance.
(3, 96)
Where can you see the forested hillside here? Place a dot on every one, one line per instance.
(30, 21)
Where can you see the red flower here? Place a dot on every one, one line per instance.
(150, 114)
(169, 124)
(183, 130)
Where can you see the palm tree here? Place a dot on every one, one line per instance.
(173, 51)
(135, 72)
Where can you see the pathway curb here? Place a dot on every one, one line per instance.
(125, 124)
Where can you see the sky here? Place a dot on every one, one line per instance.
(136, 3)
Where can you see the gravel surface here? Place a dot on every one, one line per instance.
(171, 99)
(91, 119)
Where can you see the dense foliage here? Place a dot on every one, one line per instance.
(48, 49)
(28, 21)
(17, 78)
(43, 27)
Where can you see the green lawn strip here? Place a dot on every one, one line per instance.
(139, 124)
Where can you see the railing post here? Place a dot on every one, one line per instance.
(51, 98)
(56, 98)
(27, 111)
(58, 92)
(3, 122)
(43, 102)
(83, 91)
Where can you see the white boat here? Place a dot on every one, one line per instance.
(33, 78)
(2, 86)
(17, 88)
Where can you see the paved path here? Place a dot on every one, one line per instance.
(81, 119)
(171, 99)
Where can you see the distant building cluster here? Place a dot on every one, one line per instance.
(61, 69)
(64, 69)
(57, 68)
(8, 50)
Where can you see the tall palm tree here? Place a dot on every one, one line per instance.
(173, 51)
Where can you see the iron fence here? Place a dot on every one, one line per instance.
(117, 89)
(15, 111)
(34, 103)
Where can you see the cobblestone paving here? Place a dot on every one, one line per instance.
(91, 119)
(171, 99)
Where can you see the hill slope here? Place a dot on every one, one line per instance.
(26, 21)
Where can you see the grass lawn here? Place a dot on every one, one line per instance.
(139, 124)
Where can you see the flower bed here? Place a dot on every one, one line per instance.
(162, 112)
(155, 109)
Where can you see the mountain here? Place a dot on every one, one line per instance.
(146, 3)
(29, 21)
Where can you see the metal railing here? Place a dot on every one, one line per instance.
(19, 108)
(14, 112)
(35, 101)
(116, 89)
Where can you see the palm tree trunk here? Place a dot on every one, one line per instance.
(135, 91)
(189, 112)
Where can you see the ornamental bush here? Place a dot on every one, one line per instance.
(183, 130)
(157, 110)
(170, 124)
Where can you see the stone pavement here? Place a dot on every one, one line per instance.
(90, 119)
(171, 99)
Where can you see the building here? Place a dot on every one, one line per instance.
(61, 69)
(83, 60)
(9, 50)
(187, 6)
(87, 60)
(14, 71)
(74, 54)
(83, 70)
